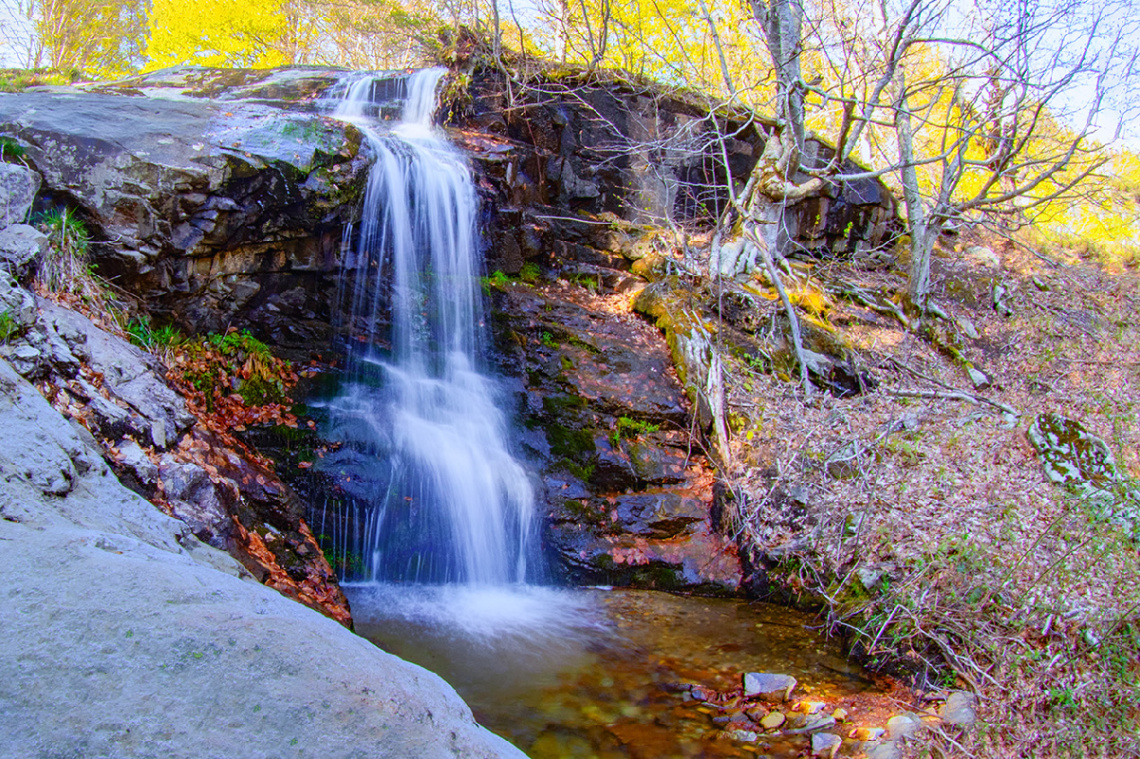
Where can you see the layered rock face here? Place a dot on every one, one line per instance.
(219, 197)
(158, 448)
(628, 489)
(123, 635)
(578, 177)
(222, 197)
(590, 147)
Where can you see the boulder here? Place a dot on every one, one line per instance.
(1076, 459)
(122, 635)
(825, 744)
(214, 204)
(903, 726)
(21, 245)
(960, 709)
(18, 188)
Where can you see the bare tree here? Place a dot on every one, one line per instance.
(104, 35)
(978, 104)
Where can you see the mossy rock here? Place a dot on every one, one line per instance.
(1071, 455)
(1080, 461)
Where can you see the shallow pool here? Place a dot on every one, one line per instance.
(587, 672)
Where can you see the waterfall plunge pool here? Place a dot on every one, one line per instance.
(588, 672)
(430, 492)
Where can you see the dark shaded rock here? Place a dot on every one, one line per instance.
(664, 514)
(135, 469)
(701, 562)
(627, 501)
(112, 421)
(599, 145)
(193, 498)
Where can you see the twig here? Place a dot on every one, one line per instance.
(957, 395)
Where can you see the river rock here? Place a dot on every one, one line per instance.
(122, 635)
(769, 687)
(885, 750)
(867, 734)
(812, 724)
(825, 744)
(18, 188)
(960, 709)
(772, 720)
(902, 726)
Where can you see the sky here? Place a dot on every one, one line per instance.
(15, 34)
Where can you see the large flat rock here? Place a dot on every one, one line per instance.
(122, 635)
(219, 197)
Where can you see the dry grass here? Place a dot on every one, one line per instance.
(989, 578)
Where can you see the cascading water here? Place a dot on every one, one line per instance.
(435, 494)
(432, 517)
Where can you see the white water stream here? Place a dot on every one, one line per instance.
(440, 498)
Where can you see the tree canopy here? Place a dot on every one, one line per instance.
(974, 113)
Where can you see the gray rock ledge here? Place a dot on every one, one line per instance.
(121, 635)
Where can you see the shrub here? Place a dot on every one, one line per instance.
(65, 267)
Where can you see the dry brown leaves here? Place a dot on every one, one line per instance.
(990, 573)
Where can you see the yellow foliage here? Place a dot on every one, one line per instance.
(811, 299)
(245, 33)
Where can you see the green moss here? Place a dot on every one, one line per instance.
(627, 427)
(582, 344)
(497, 280)
(559, 404)
(576, 445)
(10, 148)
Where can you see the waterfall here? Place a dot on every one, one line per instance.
(433, 493)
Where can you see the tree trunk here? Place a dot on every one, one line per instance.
(921, 239)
